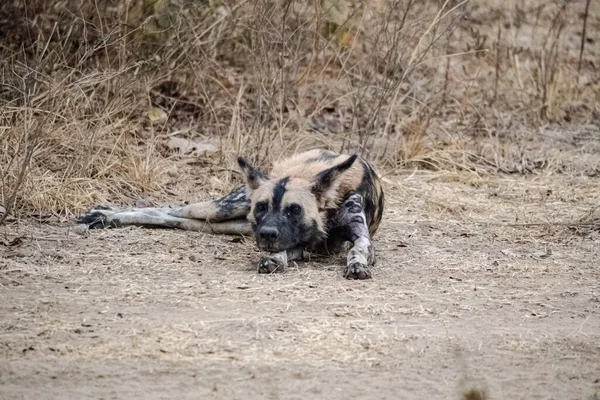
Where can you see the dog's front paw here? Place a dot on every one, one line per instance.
(357, 270)
(272, 263)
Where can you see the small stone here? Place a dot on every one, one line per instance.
(25, 252)
(82, 230)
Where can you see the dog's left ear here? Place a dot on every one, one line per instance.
(325, 180)
(254, 178)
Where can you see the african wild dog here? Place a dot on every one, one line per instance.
(314, 201)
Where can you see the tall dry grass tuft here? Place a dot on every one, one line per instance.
(68, 141)
(93, 94)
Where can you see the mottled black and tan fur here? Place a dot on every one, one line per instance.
(314, 201)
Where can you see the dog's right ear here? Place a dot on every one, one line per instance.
(254, 178)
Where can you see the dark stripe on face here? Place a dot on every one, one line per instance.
(278, 192)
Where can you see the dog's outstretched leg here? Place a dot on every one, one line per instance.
(361, 256)
(226, 215)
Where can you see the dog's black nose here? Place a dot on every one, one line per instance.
(268, 233)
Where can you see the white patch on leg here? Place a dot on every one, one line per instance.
(274, 262)
(278, 262)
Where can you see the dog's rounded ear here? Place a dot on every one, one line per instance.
(254, 178)
(326, 179)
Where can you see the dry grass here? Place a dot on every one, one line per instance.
(440, 85)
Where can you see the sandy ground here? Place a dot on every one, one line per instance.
(479, 284)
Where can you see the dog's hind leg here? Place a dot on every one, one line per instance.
(226, 215)
(156, 218)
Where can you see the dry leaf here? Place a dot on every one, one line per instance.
(156, 115)
(335, 11)
(344, 38)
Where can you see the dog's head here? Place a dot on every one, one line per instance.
(288, 212)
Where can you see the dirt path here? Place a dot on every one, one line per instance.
(460, 299)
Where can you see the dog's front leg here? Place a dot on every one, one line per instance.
(361, 256)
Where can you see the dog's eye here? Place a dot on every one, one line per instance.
(260, 207)
(295, 209)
